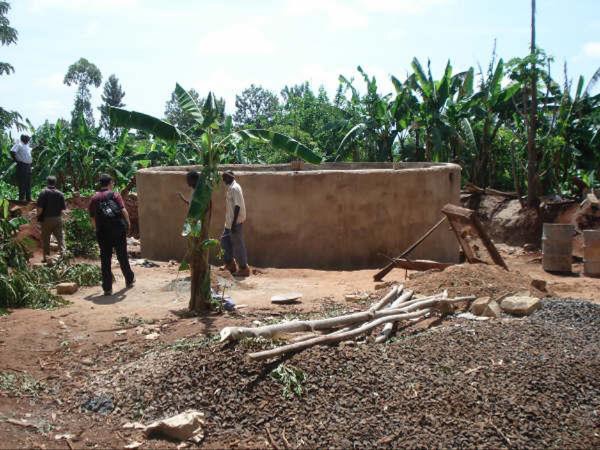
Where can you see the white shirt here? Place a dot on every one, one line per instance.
(22, 152)
(234, 197)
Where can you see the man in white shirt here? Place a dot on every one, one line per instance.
(232, 241)
(21, 154)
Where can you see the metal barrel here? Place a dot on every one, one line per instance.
(591, 253)
(557, 247)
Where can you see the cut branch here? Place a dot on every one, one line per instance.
(333, 338)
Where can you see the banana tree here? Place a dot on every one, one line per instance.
(377, 119)
(216, 136)
(492, 106)
(435, 97)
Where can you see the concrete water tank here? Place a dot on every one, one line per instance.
(330, 216)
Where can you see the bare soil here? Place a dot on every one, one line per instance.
(442, 387)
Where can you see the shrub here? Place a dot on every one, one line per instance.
(79, 234)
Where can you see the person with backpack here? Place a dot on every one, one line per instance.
(111, 221)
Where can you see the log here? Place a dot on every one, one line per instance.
(295, 326)
(333, 338)
(420, 264)
(387, 269)
(389, 327)
(388, 298)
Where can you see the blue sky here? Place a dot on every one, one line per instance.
(225, 46)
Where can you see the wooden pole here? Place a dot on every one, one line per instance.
(387, 269)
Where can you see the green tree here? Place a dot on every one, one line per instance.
(256, 107)
(83, 74)
(210, 145)
(112, 95)
(8, 36)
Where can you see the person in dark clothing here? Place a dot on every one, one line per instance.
(21, 154)
(50, 205)
(111, 221)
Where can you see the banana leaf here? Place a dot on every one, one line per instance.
(281, 142)
(132, 119)
(188, 104)
(198, 207)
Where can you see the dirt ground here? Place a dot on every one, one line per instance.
(60, 348)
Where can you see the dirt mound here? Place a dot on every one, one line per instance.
(517, 383)
(505, 220)
(481, 280)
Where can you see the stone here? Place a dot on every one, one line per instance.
(538, 288)
(188, 425)
(479, 305)
(66, 288)
(520, 305)
(492, 310)
(530, 247)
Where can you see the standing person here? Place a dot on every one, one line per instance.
(232, 241)
(50, 205)
(191, 179)
(21, 154)
(111, 221)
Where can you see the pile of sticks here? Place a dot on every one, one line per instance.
(396, 306)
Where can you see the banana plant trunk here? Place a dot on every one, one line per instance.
(200, 296)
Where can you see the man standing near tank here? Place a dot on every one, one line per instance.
(50, 206)
(21, 154)
(232, 241)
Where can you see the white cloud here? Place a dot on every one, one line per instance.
(592, 49)
(52, 81)
(400, 6)
(237, 39)
(339, 14)
(50, 109)
(355, 14)
(39, 6)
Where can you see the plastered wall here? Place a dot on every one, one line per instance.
(332, 216)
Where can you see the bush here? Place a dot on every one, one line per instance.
(80, 236)
(30, 287)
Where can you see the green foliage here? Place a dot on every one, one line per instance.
(112, 95)
(292, 379)
(20, 384)
(8, 36)
(80, 236)
(83, 74)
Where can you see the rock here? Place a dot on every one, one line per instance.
(152, 336)
(539, 288)
(479, 305)
(134, 426)
(66, 288)
(492, 309)
(353, 298)
(134, 444)
(185, 426)
(520, 305)
(530, 247)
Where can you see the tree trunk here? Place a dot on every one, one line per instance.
(532, 164)
(200, 296)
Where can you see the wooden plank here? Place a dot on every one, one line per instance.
(456, 211)
(489, 245)
(420, 264)
(387, 269)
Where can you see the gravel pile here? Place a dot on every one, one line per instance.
(530, 382)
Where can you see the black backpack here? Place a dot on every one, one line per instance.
(108, 210)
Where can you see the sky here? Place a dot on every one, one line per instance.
(225, 46)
